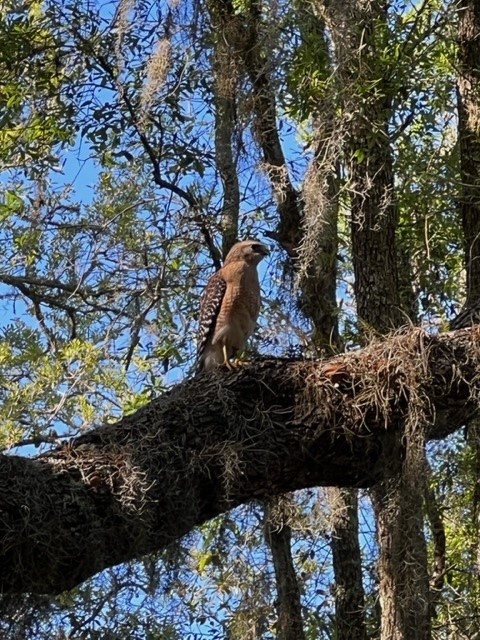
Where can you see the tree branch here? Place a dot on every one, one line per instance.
(127, 489)
(289, 231)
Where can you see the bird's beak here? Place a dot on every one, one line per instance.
(264, 250)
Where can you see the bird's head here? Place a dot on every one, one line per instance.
(251, 251)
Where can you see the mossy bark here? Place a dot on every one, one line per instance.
(133, 487)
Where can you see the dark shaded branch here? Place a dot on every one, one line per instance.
(473, 439)
(35, 442)
(75, 288)
(435, 518)
(216, 441)
(347, 565)
(278, 536)
(36, 290)
(252, 53)
(225, 72)
(468, 91)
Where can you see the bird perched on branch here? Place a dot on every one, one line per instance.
(467, 316)
(229, 306)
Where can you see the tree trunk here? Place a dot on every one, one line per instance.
(278, 536)
(439, 541)
(225, 70)
(256, 63)
(469, 139)
(404, 586)
(468, 94)
(318, 264)
(355, 26)
(349, 595)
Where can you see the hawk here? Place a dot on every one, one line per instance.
(229, 306)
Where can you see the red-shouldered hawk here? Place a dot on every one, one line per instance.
(229, 306)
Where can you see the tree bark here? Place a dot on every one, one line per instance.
(256, 63)
(355, 26)
(225, 70)
(349, 594)
(468, 92)
(437, 528)
(468, 97)
(221, 439)
(278, 535)
(404, 587)
(318, 277)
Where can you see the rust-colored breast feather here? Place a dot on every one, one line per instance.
(240, 306)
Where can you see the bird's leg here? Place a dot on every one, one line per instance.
(226, 359)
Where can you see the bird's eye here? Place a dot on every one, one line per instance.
(259, 249)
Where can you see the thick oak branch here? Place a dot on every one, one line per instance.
(221, 439)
